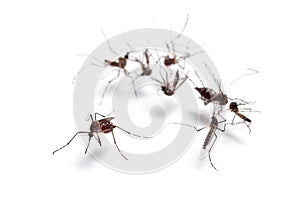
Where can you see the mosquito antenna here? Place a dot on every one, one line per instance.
(253, 71)
(108, 43)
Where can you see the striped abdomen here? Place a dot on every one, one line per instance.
(243, 117)
(208, 137)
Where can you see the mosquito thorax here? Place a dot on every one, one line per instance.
(94, 126)
(167, 91)
(223, 99)
(214, 121)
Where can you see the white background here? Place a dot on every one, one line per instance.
(38, 47)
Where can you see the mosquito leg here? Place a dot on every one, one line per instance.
(133, 83)
(106, 87)
(210, 151)
(191, 126)
(248, 110)
(182, 67)
(135, 135)
(237, 123)
(182, 82)
(233, 119)
(117, 146)
(99, 115)
(68, 142)
(157, 80)
(98, 139)
(108, 43)
(104, 116)
(90, 116)
(223, 127)
(88, 144)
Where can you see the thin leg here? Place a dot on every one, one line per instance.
(157, 80)
(108, 43)
(234, 99)
(182, 67)
(135, 135)
(99, 115)
(117, 146)
(182, 82)
(233, 118)
(248, 110)
(210, 151)
(68, 142)
(133, 84)
(199, 78)
(88, 144)
(223, 127)
(247, 74)
(237, 123)
(191, 126)
(98, 139)
(90, 116)
(162, 78)
(106, 87)
(104, 116)
(178, 36)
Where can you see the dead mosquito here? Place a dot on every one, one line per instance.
(167, 87)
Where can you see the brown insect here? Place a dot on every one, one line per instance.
(120, 63)
(234, 107)
(169, 88)
(104, 126)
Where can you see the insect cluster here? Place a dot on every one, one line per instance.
(172, 74)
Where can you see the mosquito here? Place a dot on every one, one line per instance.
(208, 95)
(104, 126)
(146, 70)
(234, 107)
(167, 87)
(211, 136)
(120, 63)
(175, 59)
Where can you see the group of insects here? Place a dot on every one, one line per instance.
(172, 75)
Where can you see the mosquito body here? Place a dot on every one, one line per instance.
(169, 88)
(120, 63)
(146, 70)
(211, 135)
(234, 107)
(209, 95)
(97, 127)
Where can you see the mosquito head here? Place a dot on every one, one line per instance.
(233, 106)
(167, 91)
(126, 55)
(169, 61)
